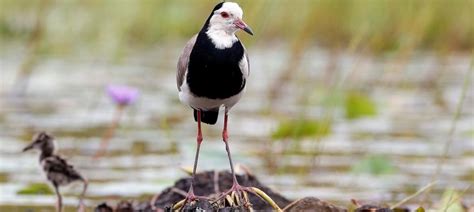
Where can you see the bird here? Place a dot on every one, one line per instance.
(58, 171)
(212, 72)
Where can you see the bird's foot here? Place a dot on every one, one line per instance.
(237, 195)
(190, 198)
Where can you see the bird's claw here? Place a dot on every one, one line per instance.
(236, 196)
(189, 199)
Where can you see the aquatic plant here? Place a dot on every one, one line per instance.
(122, 96)
(35, 189)
(358, 105)
(298, 129)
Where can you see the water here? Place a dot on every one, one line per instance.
(415, 106)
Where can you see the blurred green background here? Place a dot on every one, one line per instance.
(366, 99)
(112, 27)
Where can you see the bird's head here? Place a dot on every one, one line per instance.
(41, 141)
(227, 16)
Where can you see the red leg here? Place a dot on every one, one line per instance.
(191, 196)
(238, 189)
(225, 138)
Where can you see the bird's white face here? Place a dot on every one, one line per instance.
(228, 19)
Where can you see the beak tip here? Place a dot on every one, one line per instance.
(248, 30)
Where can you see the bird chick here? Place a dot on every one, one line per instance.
(56, 168)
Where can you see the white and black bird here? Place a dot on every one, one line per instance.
(212, 72)
(56, 168)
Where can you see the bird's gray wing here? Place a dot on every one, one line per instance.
(183, 61)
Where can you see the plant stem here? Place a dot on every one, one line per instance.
(110, 131)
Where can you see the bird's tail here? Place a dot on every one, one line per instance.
(208, 117)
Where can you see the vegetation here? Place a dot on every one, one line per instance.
(111, 28)
(36, 189)
(393, 31)
(359, 105)
(301, 128)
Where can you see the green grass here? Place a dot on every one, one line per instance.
(112, 27)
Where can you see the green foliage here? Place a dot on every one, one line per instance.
(298, 129)
(420, 209)
(110, 26)
(359, 105)
(35, 189)
(375, 165)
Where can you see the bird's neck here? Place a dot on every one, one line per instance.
(221, 38)
(46, 152)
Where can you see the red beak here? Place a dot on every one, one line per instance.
(243, 26)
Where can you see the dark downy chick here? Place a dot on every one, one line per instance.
(56, 168)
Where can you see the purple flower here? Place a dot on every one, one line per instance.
(122, 95)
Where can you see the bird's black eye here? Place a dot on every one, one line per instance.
(224, 15)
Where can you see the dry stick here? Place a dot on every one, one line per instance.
(413, 195)
(110, 132)
(450, 140)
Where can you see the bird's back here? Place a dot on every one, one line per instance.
(58, 171)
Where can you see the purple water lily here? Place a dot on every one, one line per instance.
(122, 95)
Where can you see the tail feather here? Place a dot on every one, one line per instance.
(208, 117)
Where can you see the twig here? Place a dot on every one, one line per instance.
(413, 195)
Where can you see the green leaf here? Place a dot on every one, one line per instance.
(359, 105)
(298, 129)
(35, 189)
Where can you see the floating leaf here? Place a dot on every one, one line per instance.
(302, 128)
(375, 165)
(35, 189)
(359, 105)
